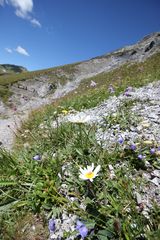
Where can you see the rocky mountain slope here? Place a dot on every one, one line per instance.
(31, 92)
(59, 81)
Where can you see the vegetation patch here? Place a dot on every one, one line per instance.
(62, 170)
(51, 176)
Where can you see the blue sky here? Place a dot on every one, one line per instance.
(38, 34)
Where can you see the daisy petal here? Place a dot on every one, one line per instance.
(97, 169)
(90, 168)
(83, 171)
(82, 177)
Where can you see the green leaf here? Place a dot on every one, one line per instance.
(20, 204)
(56, 211)
(6, 207)
(7, 183)
(90, 224)
(88, 201)
(79, 152)
(102, 235)
(100, 195)
(125, 232)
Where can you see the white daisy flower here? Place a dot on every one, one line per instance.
(88, 173)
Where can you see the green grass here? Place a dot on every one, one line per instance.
(5, 93)
(30, 187)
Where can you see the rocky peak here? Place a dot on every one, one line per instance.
(144, 48)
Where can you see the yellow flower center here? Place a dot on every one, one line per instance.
(89, 175)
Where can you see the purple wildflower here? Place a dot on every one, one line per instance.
(79, 224)
(52, 225)
(121, 140)
(133, 147)
(83, 230)
(111, 89)
(37, 157)
(140, 156)
(159, 148)
(152, 150)
(126, 93)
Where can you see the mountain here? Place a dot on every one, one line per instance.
(141, 50)
(63, 79)
(59, 124)
(134, 65)
(10, 68)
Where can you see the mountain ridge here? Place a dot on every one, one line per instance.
(11, 68)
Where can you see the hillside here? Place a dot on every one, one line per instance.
(55, 82)
(10, 68)
(82, 148)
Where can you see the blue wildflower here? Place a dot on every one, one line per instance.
(152, 150)
(133, 147)
(140, 156)
(79, 224)
(121, 140)
(37, 157)
(83, 230)
(52, 225)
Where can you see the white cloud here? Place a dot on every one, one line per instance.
(9, 50)
(2, 2)
(23, 9)
(22, 51)
(35, 22)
